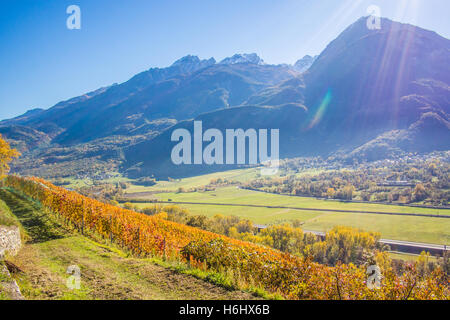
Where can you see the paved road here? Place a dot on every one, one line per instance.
(404, 246)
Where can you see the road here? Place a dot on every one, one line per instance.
(404, 246)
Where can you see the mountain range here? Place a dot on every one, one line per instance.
(370, 93)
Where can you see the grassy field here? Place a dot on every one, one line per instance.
(420, 229)
(240, 175)
(235, 195)
(78, 183)
(408, 257)
(106, 271)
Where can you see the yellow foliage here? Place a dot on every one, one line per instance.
(7, 154)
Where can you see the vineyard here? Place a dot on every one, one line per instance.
(288, 275)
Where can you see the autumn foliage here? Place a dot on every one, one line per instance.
(7, 154)
(291, 276)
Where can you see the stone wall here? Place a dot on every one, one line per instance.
(10, 240)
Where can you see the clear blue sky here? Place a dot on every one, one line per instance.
(42, 62)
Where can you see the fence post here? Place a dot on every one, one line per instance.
(110, 229)
(164, 248)
(138, 240)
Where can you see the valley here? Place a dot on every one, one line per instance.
(420, 229)
(46, 211)
(157, 187)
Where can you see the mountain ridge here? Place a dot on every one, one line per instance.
(364, 86)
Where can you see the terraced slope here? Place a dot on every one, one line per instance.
(106, 272)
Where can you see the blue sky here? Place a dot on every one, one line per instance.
(42, 62)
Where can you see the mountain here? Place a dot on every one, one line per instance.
(430, 133)
(251, 58)
(367, 82)
(379, 80)
(366, 87)
(29, 114)
(290, 91)
(192, 63)
(370, 93)
(184, 90)
(304, 63)
(24, 138)
(159, 164)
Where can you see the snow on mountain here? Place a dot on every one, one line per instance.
(251, 58)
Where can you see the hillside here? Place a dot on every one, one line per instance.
(107, 272)
(430, 133)
(138, 163)
(366, 83)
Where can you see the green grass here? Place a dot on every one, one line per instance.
(240, 175)
(78, 183)
(6, 216)
(257, 215)
(408, 257)
(234, 195)
(420, 229)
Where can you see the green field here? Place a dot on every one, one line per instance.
(420, 229)
(85, 182)
(239, 175)
(408, 257)
(235, 195)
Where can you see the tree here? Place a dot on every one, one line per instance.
(7, 154)
(420, 193)
(128, 206)
(285, 238)
(199, 221)
(348, 192)
(365, 196)
(432, 167)
(331, 192)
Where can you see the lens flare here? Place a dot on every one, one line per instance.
(320, 111)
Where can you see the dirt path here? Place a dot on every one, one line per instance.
(106, 272)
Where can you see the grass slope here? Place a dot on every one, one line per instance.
(6, 216)
(106, 271)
